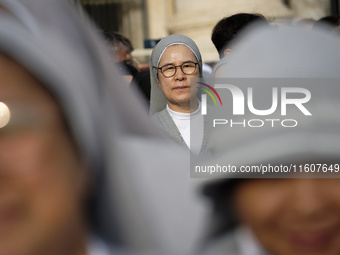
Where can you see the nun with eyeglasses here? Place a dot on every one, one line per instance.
(176, 69)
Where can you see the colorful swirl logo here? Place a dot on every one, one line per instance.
(209, 93)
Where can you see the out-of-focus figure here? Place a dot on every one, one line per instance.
(120, 47)
(329, 23)
(143, 83)
(256, 210)
(227, 29)
(128, 71)
(44, 181)
(82, 170)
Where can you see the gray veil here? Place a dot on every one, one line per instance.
(144, 198)
(157, 99)
(285, 57)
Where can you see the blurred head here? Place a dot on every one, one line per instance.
(287, 215)
(120, 46)
(45, 166)
(72, 120)
(328, 23)
(291, 216)
(122, 54)
(44, 183)
(227, 29)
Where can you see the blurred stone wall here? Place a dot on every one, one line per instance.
(196, 18)
(310, 8)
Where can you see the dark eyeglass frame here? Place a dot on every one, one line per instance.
(181, 66)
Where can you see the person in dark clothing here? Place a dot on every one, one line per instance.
(227, 29)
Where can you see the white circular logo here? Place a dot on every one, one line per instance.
(5, 115)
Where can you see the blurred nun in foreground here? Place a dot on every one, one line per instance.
(81, 169)
(293, 205)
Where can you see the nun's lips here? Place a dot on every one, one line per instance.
(313, 240)
(10, 212)
(8, 215)
(181, 87)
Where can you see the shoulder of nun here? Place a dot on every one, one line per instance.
(161, 118)
(155, 119)
(164, 121)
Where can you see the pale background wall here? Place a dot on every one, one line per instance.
(196, 18)
(154, 19)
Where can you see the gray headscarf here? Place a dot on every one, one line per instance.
(132, 166)
(157, 99)
(276, 54)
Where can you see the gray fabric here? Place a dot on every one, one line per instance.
(284, 53)
(132, 165)
(166, 123)
(225, 60)
(157, 99)
(223, 245)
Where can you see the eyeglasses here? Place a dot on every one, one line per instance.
(169, 70)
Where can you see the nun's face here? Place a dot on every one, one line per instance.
(42, 182)
(177, 88)
(292, 216)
